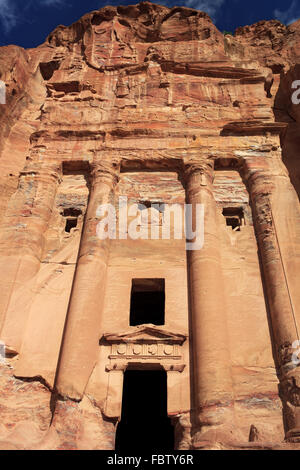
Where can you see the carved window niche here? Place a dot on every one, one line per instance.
(144, 347)
(71, 216)
(234, 217)
(147, 303)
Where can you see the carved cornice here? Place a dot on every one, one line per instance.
(145, 343)
(145, 334)
(253, 128)
(213, 69)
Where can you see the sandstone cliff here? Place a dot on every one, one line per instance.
(147, 88)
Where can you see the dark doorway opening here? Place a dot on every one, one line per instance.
(144, 424)
(147, 303)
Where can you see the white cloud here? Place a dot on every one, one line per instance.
(290, 15)
(211, 7)
(8, 18)
(52, 3)
(10, 14)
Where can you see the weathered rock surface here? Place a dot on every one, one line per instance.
(154, 104)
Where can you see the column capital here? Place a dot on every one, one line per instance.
(105, 172)
(43, 171)
(200, 166)
(264, 172)
(259, 182)
(199, 173)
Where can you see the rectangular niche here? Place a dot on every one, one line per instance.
(71, 216)
(234, 217)
(147, 303)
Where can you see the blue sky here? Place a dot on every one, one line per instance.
(28, 22)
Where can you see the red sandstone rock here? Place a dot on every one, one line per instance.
(272, 43)
(157, 105)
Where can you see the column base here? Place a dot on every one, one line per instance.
(215, 438)
(263, 445)
(293, 436)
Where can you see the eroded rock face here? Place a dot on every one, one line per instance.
(154, 105)
(271, 42)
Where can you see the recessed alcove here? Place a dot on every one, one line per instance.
(147, 302)
(234, 217)
(73, 167)
(48, 68)
(71, 215)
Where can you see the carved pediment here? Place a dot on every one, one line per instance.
(145, 334)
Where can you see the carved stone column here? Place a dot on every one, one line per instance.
(81, 337)
(276, 219)
(213, 389)
(22, 243)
